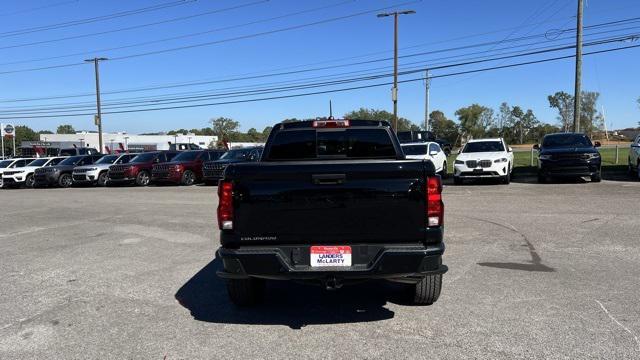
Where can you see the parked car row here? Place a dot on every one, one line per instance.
(173, 167)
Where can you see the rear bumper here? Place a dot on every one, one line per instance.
(292, 263)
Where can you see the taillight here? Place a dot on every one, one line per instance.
(225, 205)
(435, 206)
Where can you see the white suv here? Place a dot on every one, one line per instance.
(11, 164)
(484, 158)
(23, 176)
(634, 157)
(427, 151)
(96, 173)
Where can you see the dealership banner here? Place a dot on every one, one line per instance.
(8, 130)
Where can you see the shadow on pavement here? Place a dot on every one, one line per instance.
(287, 303)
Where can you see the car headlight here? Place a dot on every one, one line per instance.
(92, 169)
(500, 160)
(593, 156)
(459, 162)
(545, 157)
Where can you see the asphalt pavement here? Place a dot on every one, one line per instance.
(535, 271)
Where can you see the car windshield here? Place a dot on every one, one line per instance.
(483, 146)
(109, 159)
(71, 160)
(566, 141)
(5, 163)
(38, 162)
(143, 158)
(187, 156)
(415, 149)
(239, 154)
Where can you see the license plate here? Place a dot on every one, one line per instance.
(477, 171)
(330, 256)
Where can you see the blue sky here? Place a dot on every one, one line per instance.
(437, 25)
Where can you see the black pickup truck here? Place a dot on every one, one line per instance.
(331, 202)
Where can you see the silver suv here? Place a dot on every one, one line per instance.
(97, 173)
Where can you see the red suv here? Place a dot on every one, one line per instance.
(138, 169)
(184, 169)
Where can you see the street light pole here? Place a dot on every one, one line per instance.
(394, 91)
(95, 62)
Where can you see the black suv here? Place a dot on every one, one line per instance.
(60, 175)
(568, 155)
(212, 170)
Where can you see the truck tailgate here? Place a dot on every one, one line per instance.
(330, 202)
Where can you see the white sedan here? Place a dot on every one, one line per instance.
(427, 151)
(484, 158)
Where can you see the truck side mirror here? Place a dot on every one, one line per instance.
(536, 147)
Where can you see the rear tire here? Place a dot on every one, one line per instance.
(457, 180)
(102, 179)
(427, 290)
(245, 292)
(445, 172)
(64, 181)
(142, 179)
(29, 182)
(188, 178)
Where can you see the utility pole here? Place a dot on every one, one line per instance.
(577, 92)
(427, 84)
(394, 90)
(98, 118)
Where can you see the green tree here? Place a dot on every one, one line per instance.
(443, 127)
(65, 129)
(224, 128)
(590, 118)
(563, 102)
(45, 132)
(381, 115)
(475, 120)
(266, 132)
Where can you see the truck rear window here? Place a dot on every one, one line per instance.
(341, 143)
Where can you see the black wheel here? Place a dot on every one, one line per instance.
(638, 171)
(506, 179)
(143, 178)
(457, 180)
(188, 178)
(542, 178)
(597, 177)
(427, 290)
(245, 292)
(29, 181)
(64, 181)
(102, 179)
(444, 173)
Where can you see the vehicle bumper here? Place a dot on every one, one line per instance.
(9, 181)
(496, 170)
(45, 180)
(85, 178)
(573, 169)
(174, 178)
(121, 178)
(369, 262)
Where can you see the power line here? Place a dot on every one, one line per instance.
(181, 18)
(94, 19)
(243, 37)
(324, 91)
(158, 100)
(23, 11)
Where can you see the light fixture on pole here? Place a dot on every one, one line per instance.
(394, 90)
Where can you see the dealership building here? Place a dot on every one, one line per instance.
(113, 142)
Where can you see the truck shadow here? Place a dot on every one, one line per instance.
(287, 303)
